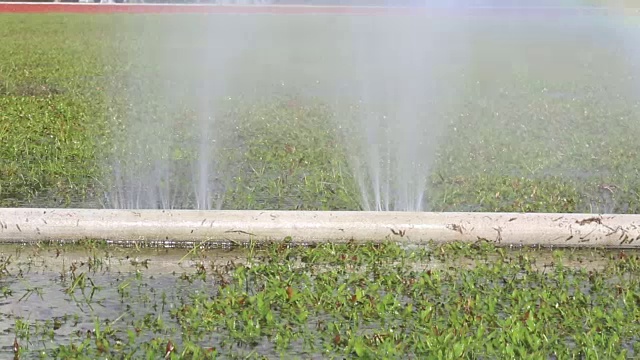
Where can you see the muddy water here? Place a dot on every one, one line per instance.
(57, 294)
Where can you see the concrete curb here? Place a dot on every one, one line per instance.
(308, 227)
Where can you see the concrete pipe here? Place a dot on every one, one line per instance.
(308, 227)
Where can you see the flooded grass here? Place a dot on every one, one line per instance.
(330, 301)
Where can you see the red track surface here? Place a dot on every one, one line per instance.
(196, 9)
(286, 9)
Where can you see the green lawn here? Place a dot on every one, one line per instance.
(530, 116)
(543, 118)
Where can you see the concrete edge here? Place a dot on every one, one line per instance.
(158, 227)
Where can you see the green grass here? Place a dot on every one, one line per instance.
(531, 133)
(282, 168)
(51, 120)
(333, 301)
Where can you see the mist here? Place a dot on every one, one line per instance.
(421, 101)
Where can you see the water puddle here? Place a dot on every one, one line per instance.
(55, 293)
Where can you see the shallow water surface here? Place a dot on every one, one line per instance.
(57, 295)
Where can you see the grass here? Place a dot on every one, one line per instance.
(530, 132)
(331, 301)
(284, 169)
(49, 123)
(549, 136)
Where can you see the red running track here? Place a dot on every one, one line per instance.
(293, 9)
(192, 8)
